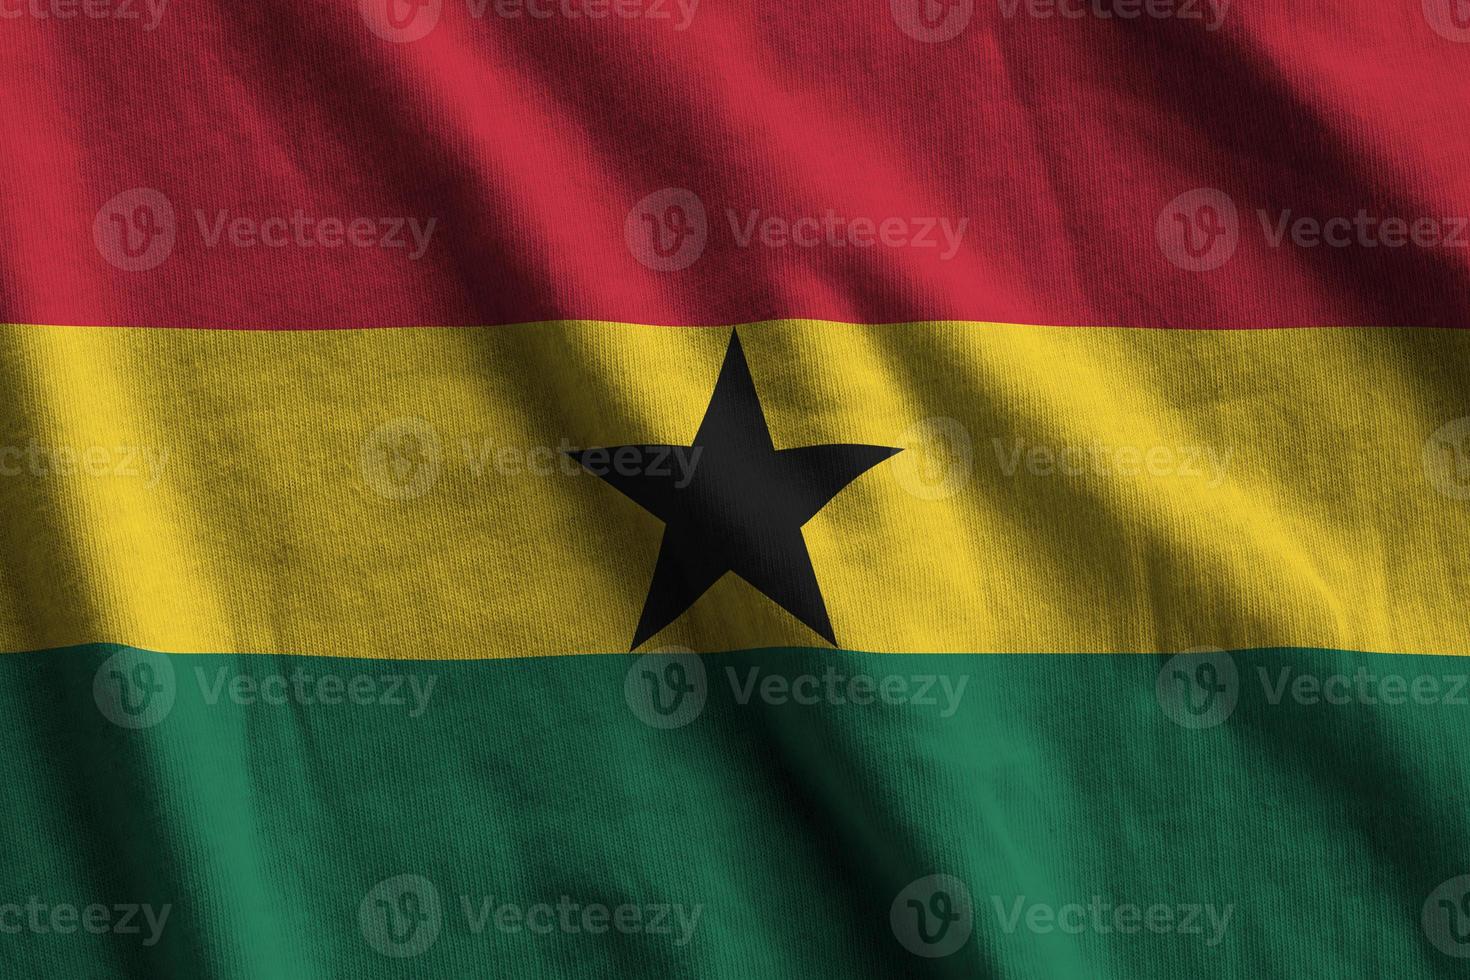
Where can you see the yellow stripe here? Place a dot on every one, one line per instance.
(229, 491)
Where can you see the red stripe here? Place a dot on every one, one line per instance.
(529, 141)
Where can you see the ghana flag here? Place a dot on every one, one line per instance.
(695, 488)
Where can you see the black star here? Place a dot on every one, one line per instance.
(732, 502)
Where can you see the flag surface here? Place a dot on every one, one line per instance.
(674, 488)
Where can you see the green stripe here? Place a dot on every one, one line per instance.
(1323, 828)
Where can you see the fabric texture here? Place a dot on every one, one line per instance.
(679, 488)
